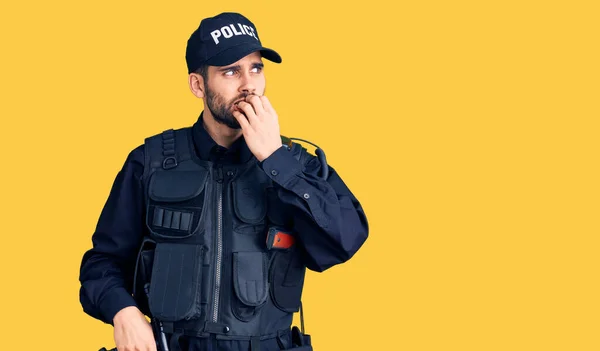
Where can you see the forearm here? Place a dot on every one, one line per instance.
(104, 288)
(328, 219)
(107, 269)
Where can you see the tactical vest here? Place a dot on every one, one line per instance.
(206, 267)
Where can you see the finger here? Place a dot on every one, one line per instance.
(242, 121)
(249, 112)
(256, 104)
(266, 103)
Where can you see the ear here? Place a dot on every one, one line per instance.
(196, 83)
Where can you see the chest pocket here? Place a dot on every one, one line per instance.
(250, 203)
(176, 203)
(250, 264)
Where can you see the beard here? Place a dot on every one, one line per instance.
(221, 109)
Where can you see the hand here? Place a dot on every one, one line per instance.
(132, 331)
(260, 125)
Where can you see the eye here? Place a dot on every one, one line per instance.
(229, 73)
(256, 69)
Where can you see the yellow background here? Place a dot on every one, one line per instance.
(467, 129)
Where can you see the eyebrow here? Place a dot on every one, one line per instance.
(237, 67)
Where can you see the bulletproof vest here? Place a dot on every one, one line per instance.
(207, 266)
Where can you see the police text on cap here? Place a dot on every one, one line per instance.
(230, 30)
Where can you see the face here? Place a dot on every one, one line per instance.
(227, 85)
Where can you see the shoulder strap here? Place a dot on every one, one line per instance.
(166, 150)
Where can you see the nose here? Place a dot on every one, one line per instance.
(246, 84)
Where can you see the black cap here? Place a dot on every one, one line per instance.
(222, 40)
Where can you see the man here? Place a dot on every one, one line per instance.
(209, 229)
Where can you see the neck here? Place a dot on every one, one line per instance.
(220, 133)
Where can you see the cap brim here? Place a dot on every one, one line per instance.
(235, 53)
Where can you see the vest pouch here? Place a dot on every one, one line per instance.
(250, 206)
(249, 283)
(287, 280)
(176, 202)
(175, 286)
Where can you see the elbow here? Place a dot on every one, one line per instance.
(338, 254)
(360, 238)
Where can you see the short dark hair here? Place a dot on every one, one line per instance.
(203, 71)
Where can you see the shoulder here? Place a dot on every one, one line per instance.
(138, 154)
(161, 144)
(167, 134)
(312, 164)
(166, 140)
(136, 157)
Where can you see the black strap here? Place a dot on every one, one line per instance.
(216, 328)
(255, 343)
(301, 318)
(168, 149)
(174, 343)
(195, 328)
(280, 339)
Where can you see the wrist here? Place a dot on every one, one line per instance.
(124, 314)
(264, 156)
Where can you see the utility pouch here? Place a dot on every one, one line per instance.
(175, 286)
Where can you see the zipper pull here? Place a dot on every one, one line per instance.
(219, 173)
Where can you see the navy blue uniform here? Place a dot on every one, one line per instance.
(328, 218)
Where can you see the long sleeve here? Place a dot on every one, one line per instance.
(106, 272)
(328, 219)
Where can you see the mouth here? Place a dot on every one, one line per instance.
(235, 104)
